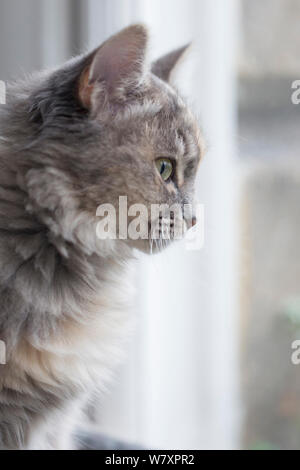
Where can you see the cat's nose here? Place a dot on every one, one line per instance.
(194, 221)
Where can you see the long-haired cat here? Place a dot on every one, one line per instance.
(104, 125)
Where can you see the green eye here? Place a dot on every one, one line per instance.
(164, 167)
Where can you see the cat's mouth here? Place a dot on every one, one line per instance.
(162, 232)
(167, 228)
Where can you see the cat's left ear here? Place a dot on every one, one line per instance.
(164, 66)
(115, 67)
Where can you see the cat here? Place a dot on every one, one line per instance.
(105, 124)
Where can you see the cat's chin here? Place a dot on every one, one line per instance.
(150, 247)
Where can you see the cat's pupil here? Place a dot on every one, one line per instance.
(162, 168)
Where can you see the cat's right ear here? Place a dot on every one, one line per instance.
(164, 66)
(117, 66)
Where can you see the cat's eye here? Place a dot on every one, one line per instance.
(165, 168)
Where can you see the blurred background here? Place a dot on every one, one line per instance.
(210, 364)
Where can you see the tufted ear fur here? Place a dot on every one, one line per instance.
(164, 66)
(118, 66)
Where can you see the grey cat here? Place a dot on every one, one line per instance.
(105, 124)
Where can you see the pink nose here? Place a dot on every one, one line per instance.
(194, 221)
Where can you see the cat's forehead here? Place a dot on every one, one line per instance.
(161, 120)
(165, 94)
(175, 117)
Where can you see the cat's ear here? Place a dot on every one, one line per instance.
(119, 64)
(164, 66)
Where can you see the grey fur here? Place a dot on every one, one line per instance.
(63, 316)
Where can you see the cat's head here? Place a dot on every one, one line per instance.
(110, 124)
